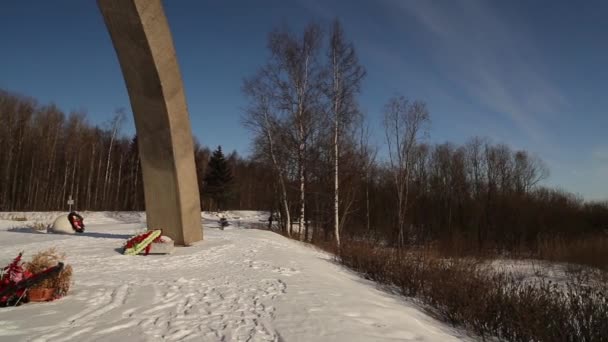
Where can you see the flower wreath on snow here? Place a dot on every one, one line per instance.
(142, 242)
(45, 270)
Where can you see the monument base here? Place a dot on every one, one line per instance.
(165, 247)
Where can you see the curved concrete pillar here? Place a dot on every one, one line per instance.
(142, 40)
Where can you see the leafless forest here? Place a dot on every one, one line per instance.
(392, 212)
(312, 164)
(47, 155)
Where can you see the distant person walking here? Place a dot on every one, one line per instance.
(270, 221)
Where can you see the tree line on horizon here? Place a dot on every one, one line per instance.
(47, 155)
(312, 162)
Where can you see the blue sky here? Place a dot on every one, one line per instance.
(531, 74)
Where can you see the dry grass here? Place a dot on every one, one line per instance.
(490, 304)
(456, 283)
(17, 218)
(589, 250)
(40, 227)
(48, 258)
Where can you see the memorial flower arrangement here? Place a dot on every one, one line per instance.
(143, 242)
(44, 278)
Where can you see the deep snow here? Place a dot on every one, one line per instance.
(237, 285)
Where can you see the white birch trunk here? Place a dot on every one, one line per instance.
(284, 200)
(336, 186)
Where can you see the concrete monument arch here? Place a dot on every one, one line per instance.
(141, 37)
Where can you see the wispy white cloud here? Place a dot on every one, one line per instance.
(468, 55)
(493, 61)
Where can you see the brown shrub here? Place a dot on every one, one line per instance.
(589, 250)
(490, 304)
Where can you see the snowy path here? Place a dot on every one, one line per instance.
(237, 285)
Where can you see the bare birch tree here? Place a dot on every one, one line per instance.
(261, 119)
(116, 123)
(368, 155)
(294, 73)
(345, 78)
(405, 125)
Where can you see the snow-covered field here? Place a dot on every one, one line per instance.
(238, 284)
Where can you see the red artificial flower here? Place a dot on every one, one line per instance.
(11, 275)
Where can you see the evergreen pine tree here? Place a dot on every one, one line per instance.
(218, 181)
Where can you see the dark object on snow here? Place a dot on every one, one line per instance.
(76, 221)
(223, 223)
(8, 294)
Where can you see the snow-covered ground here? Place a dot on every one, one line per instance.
(237, 285)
